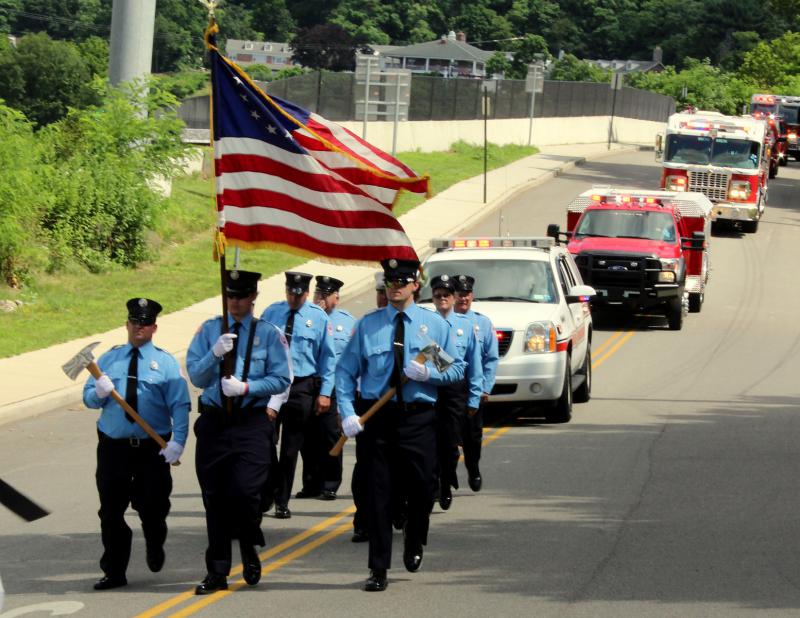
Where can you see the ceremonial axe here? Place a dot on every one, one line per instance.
(85, 360)
(20, 504)
(431, 352)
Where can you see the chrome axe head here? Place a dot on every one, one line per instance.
(440, 359)
(80, 361)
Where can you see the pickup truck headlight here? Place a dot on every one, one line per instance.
(540, 337)
(675, 183)
(666, 276)
(739, 190)
(669, 270)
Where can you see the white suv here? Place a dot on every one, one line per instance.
(533, 293)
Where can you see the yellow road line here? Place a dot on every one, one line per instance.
(599, 349)
(604, 357)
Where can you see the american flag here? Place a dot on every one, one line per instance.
(287, 178)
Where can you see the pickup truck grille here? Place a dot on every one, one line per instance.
(504, 337)
(714, 186)
(626, 271)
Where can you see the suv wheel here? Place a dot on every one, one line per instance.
(584, 392)
(562, 409)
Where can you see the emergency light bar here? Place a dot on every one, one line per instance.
(764, 98)
(688, 204)
(626, 199)
(491, 243)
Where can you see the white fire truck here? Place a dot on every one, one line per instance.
(726, 158)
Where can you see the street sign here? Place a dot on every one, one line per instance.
(534, 80)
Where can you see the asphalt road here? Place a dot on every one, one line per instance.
(673, 492)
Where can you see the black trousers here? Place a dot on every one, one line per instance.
(471, 440)
(451, 410)
(136, 475)
(296, 422)
(398, 445)
(232, 462)
(320, 470)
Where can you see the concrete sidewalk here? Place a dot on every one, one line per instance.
(34, 382)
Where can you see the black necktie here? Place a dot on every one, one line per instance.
(236, 326)
(131, 397)
(399, 355)
(287, 331)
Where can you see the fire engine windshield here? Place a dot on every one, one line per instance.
(499, 280)
(644, 224)
(705, 150)
(790, 114)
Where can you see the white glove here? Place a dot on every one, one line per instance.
(233, 387)
(417, 371)
(224, 344)
(351, 426)
(103, 386)
(172, 452)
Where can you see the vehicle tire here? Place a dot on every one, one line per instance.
(696, 302)
(562, 408)
(675, 313)
(583, 393)
(750, 227)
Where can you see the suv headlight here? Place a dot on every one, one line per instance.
(739, 190)
(540, 337)
(675, 183)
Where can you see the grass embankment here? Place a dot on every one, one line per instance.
(73, 304)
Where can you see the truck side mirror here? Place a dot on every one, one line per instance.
(580, 294)
(695, 243)
(553, 231)
(659, 146)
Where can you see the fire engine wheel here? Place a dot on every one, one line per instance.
(750, 227)
(584, 392)
(675, 314)
(696, 302)
(562, 408)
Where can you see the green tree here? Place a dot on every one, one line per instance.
(570, 69)
(272, 17)
(72, 20)
(483, 24)
(178, 38)
(94, 52)
(327, 46)
(236, 22)
(8, 12)
(498, 64)
(259, 72)
(527, 50)
(12, 81)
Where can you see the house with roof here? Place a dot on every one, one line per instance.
(632, 66)
(450, 56)
(275, 55)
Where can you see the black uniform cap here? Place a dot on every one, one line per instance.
(443, 282)
(463, 283)
(400, 269)
(143, 311)
(328, 285)
(242, 282)
(297, 283)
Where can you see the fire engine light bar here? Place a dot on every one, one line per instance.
(626, 199)
(764, 98)
(488, 243)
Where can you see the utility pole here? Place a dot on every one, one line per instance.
(132, 26)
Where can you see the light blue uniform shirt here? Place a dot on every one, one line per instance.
(369, 356)
(468, 351)
(343, 324)
(269, 361)
(487, 342)
(311, 346)
(162, 394)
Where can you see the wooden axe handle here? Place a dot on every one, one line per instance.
(95, 371)
(337, 448)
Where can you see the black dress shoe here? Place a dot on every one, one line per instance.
(475, 482)
(211, 584)
(327, 494)
(412, 556)
(376, 582)
(306, 493)
(251, 564)
(107, 582)
(155, 559)
(282, 512)
(359, 536)
(445, 498)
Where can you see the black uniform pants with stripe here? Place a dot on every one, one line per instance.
(471, 440)
(232, 461)
(296, 421)
(130, 475)
(398, 446)
(320, 470)
(451, 409)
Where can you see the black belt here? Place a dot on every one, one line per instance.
(417, 406)
(132, 440)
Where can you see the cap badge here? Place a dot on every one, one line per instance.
(392, 263)
(445, 277)
(462, 279)
(326, 279)
(153, 365)
(234, 275)
(143, 302)
(298, 278)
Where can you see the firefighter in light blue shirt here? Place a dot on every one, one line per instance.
(456, 401)
(309, 332)
(131, 467)
(398, 446)
(472, 426)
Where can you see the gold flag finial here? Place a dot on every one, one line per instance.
(210, 6)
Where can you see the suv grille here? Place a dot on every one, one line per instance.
(504, 337)
(714, 186)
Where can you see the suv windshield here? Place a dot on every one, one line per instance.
(645, 224)
(502, 280)
(790, 114)
(704, 150)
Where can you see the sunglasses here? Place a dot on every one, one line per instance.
(442, 295)
(141, 321)
(396, 283)
(237, 295)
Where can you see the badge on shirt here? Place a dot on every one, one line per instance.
(153, 365)
(308, 323)
(459, 332)
(339, 328)
(477, 328)
(423, 329)
(256, 340)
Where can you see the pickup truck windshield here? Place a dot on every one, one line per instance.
(705, 150)
(645, 224)
(499, 280)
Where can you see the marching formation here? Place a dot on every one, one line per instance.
(406, 382)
